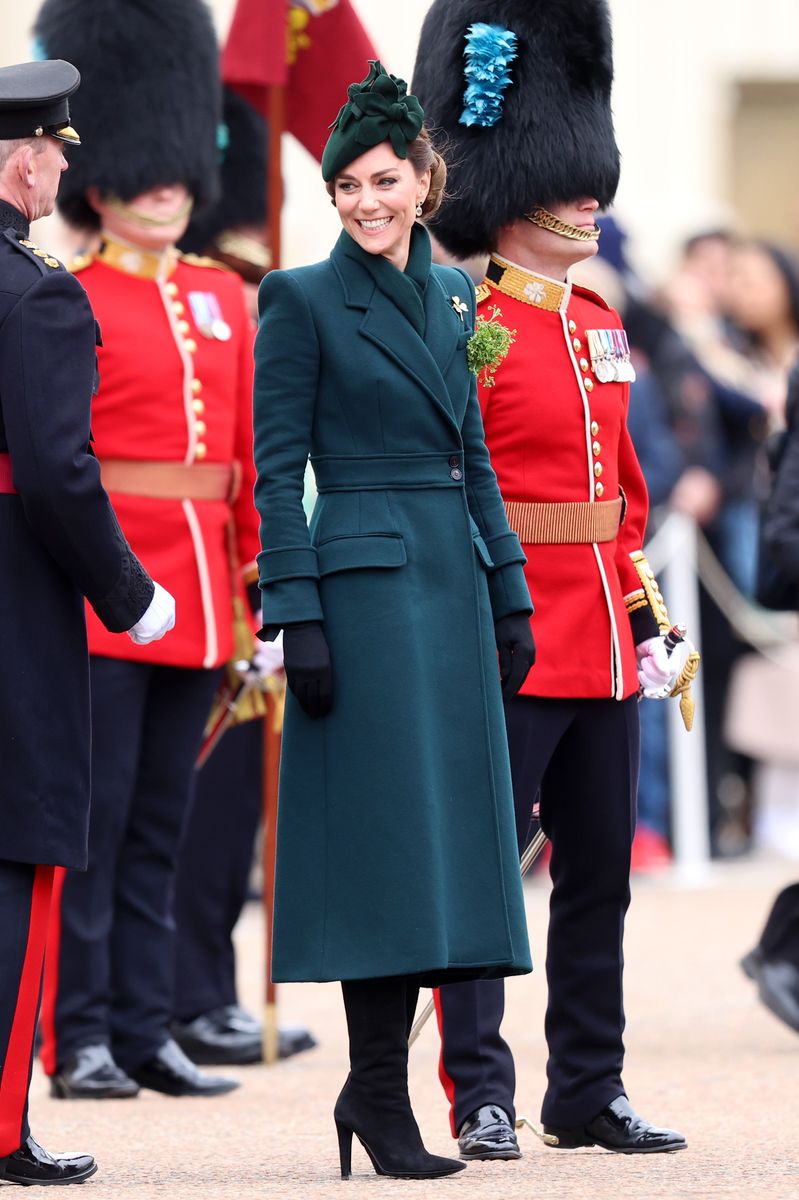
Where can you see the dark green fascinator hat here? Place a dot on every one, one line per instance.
(379, 109)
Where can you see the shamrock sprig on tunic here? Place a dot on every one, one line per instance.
(488, 345)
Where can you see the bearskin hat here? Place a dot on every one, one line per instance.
(149, 103)
(243, 177)
(516, 96)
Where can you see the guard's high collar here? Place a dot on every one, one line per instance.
(12, 218)
(528, 286)
(133, 260)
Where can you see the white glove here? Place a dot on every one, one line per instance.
(267, 657)
(157, 620)
(658, 671)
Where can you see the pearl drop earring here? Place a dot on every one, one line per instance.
(419, 210)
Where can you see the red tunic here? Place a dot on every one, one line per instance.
(556, 433)
(170, 392)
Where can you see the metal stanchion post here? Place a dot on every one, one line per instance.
(687, 755)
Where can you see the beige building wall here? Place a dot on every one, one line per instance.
(678, 67)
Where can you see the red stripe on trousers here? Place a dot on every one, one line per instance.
(17, 1065)
(447, 1082)
(49, 1050)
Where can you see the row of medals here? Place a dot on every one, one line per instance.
(610, 355)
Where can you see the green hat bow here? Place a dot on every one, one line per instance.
(379, 109)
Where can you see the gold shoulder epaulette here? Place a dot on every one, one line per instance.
(46, 257)
(79, 263)
(482, 292)
(202, 260)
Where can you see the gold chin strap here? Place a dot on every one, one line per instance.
(547, 220)
(137, 218)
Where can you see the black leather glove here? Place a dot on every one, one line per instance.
(306, 658)
(516, 650)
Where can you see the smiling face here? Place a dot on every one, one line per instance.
(376, 198)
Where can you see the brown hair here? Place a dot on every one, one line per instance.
(423, 157)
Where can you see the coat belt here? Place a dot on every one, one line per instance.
(561, 524)
(374, 472)
(172, 480)
(6, 480)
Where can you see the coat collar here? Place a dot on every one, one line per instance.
(12, 218)
(426, 359)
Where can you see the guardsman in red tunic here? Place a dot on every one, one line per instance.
(172, 429)
(521, 92)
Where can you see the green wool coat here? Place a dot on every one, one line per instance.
(396, 848)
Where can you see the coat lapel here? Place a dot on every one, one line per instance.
(421, 359)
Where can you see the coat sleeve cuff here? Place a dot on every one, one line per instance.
(508, 591)
(287, 601)
(288, 562)
(505, 548)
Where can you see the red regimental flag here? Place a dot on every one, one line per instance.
(254, 56)
(325, 48)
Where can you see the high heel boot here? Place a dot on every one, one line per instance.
(374, 1104)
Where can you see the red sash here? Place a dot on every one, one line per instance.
(6, 480)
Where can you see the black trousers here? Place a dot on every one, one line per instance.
(214, 869)
(583, 755)
(112, 937)
(25, 893)
(780, 936)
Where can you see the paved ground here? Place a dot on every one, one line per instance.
(702, 1055)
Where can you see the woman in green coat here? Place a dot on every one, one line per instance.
(397, 860)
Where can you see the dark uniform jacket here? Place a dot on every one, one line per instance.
(59, 541)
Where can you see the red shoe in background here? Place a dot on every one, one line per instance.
(650, 852)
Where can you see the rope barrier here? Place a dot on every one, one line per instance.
(759, 627)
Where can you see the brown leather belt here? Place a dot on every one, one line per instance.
(6, 478)
(172, 480)
(562, 524)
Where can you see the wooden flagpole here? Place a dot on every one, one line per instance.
(272, 723)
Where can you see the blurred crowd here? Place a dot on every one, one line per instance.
(712, 349)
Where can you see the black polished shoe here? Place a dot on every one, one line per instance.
(92, 1075)
(293, 1039)
(488, 1133)
(32, 1164)
(220, 1037)
(777, 985)
(171, 1072)
(618, 1127)
(230, 1036)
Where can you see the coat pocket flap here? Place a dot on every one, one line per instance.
(361, 550)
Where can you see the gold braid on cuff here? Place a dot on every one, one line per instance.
(547, 220)
(652, 596)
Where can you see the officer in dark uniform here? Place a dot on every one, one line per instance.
(59, 541)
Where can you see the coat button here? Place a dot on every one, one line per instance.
(178, 309)
(190, 345)
(578, 345)
(198, 406)
(456, 473)
(200, 450)
(599, 488)
(583, 364)
(588, 384)
(171, 289)
(196, 386)
(200, 428)
(572, 328)
(598, 469)
(594, 428)
(597, 449)
(454, 461)
(184, 327)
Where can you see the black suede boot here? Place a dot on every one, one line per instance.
(374, 1103)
